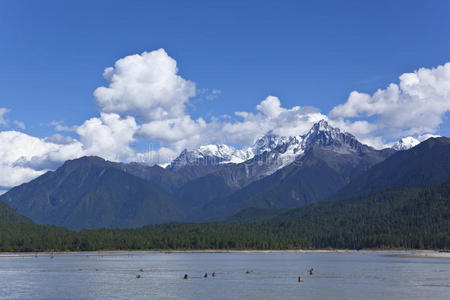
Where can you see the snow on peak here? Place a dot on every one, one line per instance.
(405, 143)
(268, 142)
(211, 155)
(226, 153)
(277, 151)
(322, 130)
(283, 149)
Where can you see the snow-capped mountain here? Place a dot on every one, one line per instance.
(282, 151)
(271, 152)
(211, 155)
(298, 170)
(405, 143)
(325, 135)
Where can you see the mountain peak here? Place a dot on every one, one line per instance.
(323, 126)
(324, 134)
(405, 143)
(85, 160)
(268, 142)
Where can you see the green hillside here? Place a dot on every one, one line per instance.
(413, 217)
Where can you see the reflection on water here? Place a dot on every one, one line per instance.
(353, 275)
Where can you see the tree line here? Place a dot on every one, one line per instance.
(413, 218)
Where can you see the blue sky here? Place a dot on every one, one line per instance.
(53, 53)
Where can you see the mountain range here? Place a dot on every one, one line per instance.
(216, 182)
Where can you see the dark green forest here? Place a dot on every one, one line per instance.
(413, 218)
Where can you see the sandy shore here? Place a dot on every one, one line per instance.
(424, 254)
(101, 252)
(395, 253)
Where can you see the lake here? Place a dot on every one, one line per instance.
(272, 275)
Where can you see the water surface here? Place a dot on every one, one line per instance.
(353, 275)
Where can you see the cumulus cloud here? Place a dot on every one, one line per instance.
(109, 136)
(174, 130)
(24, 157)
(145, 85)
(416, 105)
(270, 116)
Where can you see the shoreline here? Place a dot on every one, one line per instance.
(389, 252)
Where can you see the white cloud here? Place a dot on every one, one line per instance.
(108, 136)
(3, 112)
(24, 157)
(173, 130)
(270, 117)
(146, 86)
(161, 156)
(271, 107)
(424, 137)
(416, 105)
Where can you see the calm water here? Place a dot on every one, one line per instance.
(273, 276)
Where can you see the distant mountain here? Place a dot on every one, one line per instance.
(210, 155)
(268, 154)
(426, 163)
(170, 181)
(194, 195)
(92, 193)
(405, 143)
(326, 160)
(272, 153)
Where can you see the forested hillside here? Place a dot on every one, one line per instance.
(414, 217)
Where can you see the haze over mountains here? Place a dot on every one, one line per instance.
(217, 181)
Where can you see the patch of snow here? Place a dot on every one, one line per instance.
(405, 143)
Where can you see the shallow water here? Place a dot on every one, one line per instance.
(354, 275)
